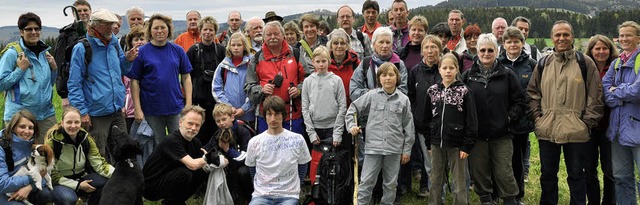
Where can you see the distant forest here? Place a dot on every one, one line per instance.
(605, 22)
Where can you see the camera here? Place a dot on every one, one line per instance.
(277, 80)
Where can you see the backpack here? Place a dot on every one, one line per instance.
(534, 52)
(636, 65)
(366, 63)
(6, 146)
(242, 123)
(334, 177)
(15, 45)
(65, 68)
(360, 37)
(222, 36)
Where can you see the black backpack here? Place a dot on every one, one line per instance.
(335, 177)
(6, 146)
(63, 71)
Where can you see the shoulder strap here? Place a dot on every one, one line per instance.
(365, 66)
(534, 52)
(8, 153)
(224, 76)
(541, 65)
(296, 54)
(87, 56)
(360, 36)
(636, 65)
(306, 48)
(85, 149)
(583, 67)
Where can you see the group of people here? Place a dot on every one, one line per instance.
(445, 101)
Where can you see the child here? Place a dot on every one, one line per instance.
(231, 140)
(454, 126)
(389, 131)
(277, 158)
(324, 104)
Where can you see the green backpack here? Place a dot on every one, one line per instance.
(636, 66)
(15, 45)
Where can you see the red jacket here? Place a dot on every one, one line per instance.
(268, 67)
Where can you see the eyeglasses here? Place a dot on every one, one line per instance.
(36, 29)
(345, 17)
(486, 50)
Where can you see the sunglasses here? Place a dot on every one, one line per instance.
(486, 50)
(32, 29)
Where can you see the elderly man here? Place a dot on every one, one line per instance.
(276, 71)
(566, 102)
(135, 18)
(456, 21)
(174, 171)
(68, 36)
(400, 25)
(524, 24)
(253, 33)
(370, 11)
(234, 20)
(359, 43)
(95, 87)
(498, 26)
(192, 35)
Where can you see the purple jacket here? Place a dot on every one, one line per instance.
(624, 101)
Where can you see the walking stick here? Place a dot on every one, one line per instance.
(291, 109)
(355, 143)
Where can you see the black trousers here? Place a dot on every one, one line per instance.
(176, 186)
(599, 147)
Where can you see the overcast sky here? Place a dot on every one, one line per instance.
(50, 11)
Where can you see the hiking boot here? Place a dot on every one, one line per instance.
(424, 192)
(519, 202)
(526, 178)
(509, 201)
(486, 200)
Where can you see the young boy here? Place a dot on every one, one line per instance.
(324, 104)
(231, 139)
(389, 131)
(277, 158)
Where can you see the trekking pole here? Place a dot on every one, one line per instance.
(354, 142)
(291, 108)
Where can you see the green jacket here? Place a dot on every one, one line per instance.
(70, 165)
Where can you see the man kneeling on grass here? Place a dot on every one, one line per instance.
(277, 159)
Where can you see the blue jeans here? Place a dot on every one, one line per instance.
(273, 200)
(161, 124)
(63, 195)
(574, 155)
(623, 158)
(35, 197)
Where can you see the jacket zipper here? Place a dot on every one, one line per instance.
(444, 104)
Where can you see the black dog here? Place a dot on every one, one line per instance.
(126, 183)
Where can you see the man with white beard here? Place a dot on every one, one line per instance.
(253, 33)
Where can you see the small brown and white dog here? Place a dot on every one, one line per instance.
(41, 159)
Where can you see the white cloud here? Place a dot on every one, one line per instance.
(50, 11)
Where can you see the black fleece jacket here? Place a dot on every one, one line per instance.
(499, 99)
(420, 78)
(454, 123)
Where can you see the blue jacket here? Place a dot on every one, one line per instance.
(23, 92)
(232, 92)
(21, 150)
(624, 121)
(101, 91)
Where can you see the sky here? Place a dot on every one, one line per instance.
(50, 11)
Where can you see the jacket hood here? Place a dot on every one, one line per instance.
(350, 57)
(61, 136)
(227, 63)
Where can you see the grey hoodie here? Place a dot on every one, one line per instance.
(324, 104)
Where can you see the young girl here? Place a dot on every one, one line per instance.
(389, 131)
(453, 130)
(79, 169)
(229, 80)
(324, 104)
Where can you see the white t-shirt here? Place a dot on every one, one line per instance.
(276, 158)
